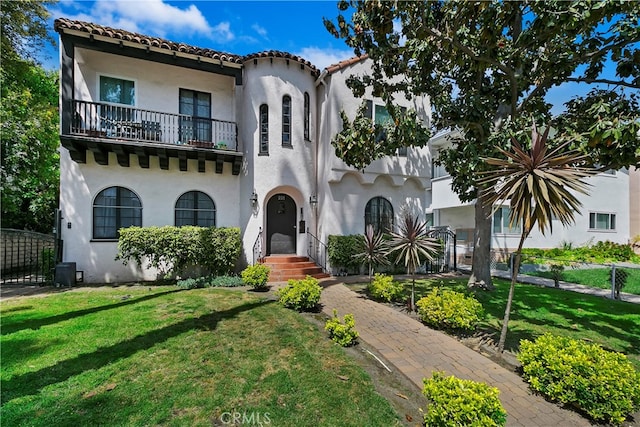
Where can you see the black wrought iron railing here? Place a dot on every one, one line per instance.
(27, 257)
(317, 251)
(102, 120)
(257, 248)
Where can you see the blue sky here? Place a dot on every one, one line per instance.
(239, 27)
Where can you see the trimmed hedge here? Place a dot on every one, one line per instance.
(450, 310)
(602, 383)
(342, 250)
(174, 249)
(458, 402)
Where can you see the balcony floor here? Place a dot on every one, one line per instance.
(100, 146)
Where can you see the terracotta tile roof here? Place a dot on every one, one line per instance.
(62, 24)
(285, 55)
(342, 64)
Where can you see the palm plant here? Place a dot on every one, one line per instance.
(413, 247)
(375, 250)
(539, 184)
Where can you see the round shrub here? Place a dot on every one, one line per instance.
(450, 310)
(384, 288)
(602, 383)
(457, 402)
(343, 333)
(300, 294)
(256, 276)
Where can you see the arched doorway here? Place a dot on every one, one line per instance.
(281, 225)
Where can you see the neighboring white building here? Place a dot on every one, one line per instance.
(160, 133)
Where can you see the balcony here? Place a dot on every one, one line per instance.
(102, 128)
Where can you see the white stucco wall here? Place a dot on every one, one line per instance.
(158, 191)
(287, 170)
(157, 86)
(344, 191)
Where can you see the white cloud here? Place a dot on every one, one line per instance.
(322, 58)
(262, 32)
(155, 17)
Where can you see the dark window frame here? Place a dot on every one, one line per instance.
(263, 119)
(117, 209)
(196, 126)
(307, 116)
(199, 205)
(611, 221)
(286, 121)
(379, 212)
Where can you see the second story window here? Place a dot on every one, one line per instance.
(286, 121)
(380, 116)
(264, 129)
(117, 91)
(121, 95)
(195, 116)
(307, 114)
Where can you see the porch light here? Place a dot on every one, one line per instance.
(254, 198)
(313, 199)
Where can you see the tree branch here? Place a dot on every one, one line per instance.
(604, 81)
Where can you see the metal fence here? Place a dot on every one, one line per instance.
(28, 257)
(614, 276)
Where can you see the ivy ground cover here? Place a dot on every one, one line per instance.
(161, 356)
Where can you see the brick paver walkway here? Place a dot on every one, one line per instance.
(417, 350)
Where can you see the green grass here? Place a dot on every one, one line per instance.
(613, 324)
(157, 356)
(597, 278)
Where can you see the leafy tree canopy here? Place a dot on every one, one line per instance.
(483, 62)
(28, 120)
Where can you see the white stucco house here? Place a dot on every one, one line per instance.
(155, 132)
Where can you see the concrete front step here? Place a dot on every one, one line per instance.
(285, 267)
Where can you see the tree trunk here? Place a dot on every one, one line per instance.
(514, 276)
(481, 270)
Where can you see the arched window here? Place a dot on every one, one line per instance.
(379, 213)
(264, 129)
(307, 113)
(286, 121)
(195, 208)
(115, 208)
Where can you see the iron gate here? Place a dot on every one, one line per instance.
(28, 257)
(446, 259)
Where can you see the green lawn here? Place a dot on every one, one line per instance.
(536, 310)
(150, 356)
(597, 278)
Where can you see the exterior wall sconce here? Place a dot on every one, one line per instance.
(254, 198)
(313, 200)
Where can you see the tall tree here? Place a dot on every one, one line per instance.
(486, 63)
(28, 120)
(539, 184)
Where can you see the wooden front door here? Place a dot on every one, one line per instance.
(281, 225)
